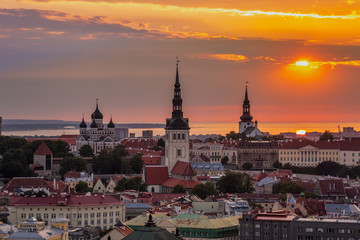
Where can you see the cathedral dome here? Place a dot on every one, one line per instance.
(83, 124)
(111, 124)
(97, 114)
(93, 124)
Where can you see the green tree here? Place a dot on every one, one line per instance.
(233, 135)
(82, 187)
(161, 143)
(9, 143)
(121, 151)
(204, 190)
(328, 168)
(326, 136)
(277, 164)
(72, 164)
(135, 183)
(225, 160)
(86, 151)
(234, 182)
(179, 189)
(247, 166)
(136, 163)
(287, 187)
(287, 166)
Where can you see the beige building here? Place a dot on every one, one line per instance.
(98, 210)
(261, 154)
(306, 153)
(215, 151)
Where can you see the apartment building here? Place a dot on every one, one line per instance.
(98, 210)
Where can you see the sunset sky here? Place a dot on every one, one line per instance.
(301, 59)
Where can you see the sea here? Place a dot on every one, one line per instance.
(208, 128)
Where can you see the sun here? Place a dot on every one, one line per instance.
(302, 63)
(300, 132)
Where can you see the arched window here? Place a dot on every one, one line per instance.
(174, 136)
(179, 136)
(183, 136)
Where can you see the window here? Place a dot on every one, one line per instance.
(174, 136)
(179, 152)
(257, 225)
(309, 230)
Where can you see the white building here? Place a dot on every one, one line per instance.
(98, 136)
(215, 151)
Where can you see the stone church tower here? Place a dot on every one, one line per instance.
(176, 130)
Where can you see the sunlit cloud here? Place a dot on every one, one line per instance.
(226, 57)
(332, 64)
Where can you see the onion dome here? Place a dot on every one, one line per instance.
(93, 124)
(83, 123)
(97, 114)
(111, 124)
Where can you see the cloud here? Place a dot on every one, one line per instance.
(40, 23)
(332, 64)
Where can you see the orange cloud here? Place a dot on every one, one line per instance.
(317, 64)
(226, 57)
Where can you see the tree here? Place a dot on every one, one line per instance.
(247, 166)
(234, 182)
(72, 164)
(86, 151)
(82, 187)
(161, 143)
(233, 135)
(121, 151)
(225, 160)
(135, 183)
(136, 163)
(287, 187)
(277, 164)
(179, 189)
(287, 166)
(326, 136)
(328, 168)
(204, 190)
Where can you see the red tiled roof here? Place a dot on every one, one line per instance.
(183, 168)
(300, 143)
(156, 175)
(70, 201)
(331, 186)
(188, 184)
(259, 176)
(157, 197)
(125, 230)
(61, 187)
(72, 175)
(27, 182)
(43, 149)
(118, 178)
(69, 139)
(151, 160)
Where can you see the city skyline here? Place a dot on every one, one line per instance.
(300, 59)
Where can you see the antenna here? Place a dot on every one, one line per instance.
(177, 60)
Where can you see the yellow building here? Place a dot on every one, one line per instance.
(34, 229)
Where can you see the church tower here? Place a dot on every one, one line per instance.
(176, 130)
(246, 118)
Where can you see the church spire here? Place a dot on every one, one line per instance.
(177, 121)
(246, 117)
(177, 100)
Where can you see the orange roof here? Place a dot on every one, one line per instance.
(183, 168)
(125, 230)
(43, 149)
(156, 175)
(188, 184)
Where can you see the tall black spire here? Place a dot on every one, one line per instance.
(177, 100)
(177, 121)
(246, 117)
